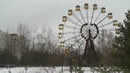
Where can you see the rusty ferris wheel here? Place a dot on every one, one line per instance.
(84, 24)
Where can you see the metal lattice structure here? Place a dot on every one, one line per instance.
(83, 25)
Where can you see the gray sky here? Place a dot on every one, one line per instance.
(48, 13)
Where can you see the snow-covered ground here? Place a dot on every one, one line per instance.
(40, 70)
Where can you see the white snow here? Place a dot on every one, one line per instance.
(40, 70)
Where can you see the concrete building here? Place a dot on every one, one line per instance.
(12, 43)
(2, 41)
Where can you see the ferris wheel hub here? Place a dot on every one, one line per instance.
(89, 31)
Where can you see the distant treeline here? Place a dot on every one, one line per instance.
(23, 48)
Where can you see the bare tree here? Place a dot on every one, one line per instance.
(104, 46)
(23, 39)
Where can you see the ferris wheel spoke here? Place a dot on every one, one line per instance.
(92, 29)
(74, 37)
(93, 32)
(77, 40)
(73, 22)
(77, 18)
(94, 9)
(71, 33)
(102, 20)
(87, 17)
(82, 16)
(97, 17)
(107, 29)
(82, 41)
(71, 27)
(106, 24)
(92, 16)
(85, 32)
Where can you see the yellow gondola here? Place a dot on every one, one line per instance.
(61, 46)
(94, 6)
(116, 23)
(110, 15)
(60, 35)
(62, 42)
(61, 26)
(86, 6)
(77, 8)
(64, 18)
(70, 12)
(67, 51)
(103, 10)
(74, 60)
(119, 25)
(117, 31)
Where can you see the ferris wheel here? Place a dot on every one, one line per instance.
(83, 25)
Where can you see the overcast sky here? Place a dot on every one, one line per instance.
(48, 13)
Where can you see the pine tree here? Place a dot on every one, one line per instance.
(123, 42)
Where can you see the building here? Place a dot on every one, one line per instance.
(2, 41)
